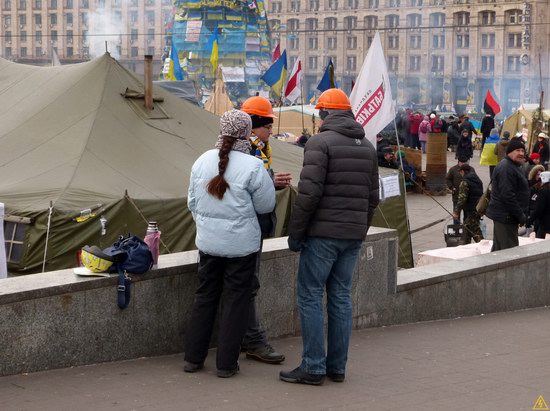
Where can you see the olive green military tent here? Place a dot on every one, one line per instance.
(82, 161)
(523, 120)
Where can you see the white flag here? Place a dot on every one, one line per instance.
(294, 85)
(371, 99)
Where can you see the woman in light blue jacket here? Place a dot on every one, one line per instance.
(228, 188)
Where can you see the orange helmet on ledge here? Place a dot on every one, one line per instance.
(333, 98)
(259, 106)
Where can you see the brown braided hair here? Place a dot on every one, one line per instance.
(217, 186)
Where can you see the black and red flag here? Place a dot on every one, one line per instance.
(490, 105)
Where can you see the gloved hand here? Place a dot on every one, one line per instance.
(295, 245)
(522, 219)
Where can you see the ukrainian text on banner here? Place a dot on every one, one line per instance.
(371, 98)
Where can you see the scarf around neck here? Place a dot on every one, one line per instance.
(262, 151)
(239, 145)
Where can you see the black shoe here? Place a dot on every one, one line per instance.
(265, 353)
(227, 373)
(192, 367)
(297, 376)
(334, 377)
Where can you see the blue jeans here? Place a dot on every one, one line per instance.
(326, 263)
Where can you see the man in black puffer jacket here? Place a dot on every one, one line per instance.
(469, 193)
(509, 202)
(337, 196)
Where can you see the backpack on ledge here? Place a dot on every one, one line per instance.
(130, 255)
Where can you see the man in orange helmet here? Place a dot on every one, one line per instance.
(261, 112)
(337, 196)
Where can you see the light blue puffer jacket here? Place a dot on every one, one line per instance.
(229, 227)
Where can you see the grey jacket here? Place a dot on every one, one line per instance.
(338, 188)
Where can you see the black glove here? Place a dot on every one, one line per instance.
(522, 219)
(294, 245)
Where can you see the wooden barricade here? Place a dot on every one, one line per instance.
(436, 163)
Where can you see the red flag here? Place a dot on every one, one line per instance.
(490, 105)
(293, 87)
(276, 53)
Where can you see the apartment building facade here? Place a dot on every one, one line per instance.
(444, 53)
(78, 30)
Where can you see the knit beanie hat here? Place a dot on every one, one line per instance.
(514, 144)
(259, 121)
(235, 123)
(534, 156)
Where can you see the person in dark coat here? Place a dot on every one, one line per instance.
(464, 147)
(487, 124)
(388, 159)
(381, 145)
(509, 202)
(541, 213)
(337, 195)
(535, 185)
(469, 193)
(467, 125)
(453, 179)
(541, 147)
(453, 134)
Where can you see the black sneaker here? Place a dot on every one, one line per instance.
(297, 376)
(227, 373)
(266, 354)
(192, 367)
(334, 377)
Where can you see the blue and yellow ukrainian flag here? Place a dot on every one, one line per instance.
(174, 70)
(214, 55)
(275, 76)
(329, 79)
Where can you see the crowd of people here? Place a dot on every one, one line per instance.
(232, 200)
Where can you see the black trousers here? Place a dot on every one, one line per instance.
(504, 236)
(225, 280)
(254, 336)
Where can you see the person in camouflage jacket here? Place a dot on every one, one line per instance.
(469, 193)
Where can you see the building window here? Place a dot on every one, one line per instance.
(414, 63)
(38, 36)
(151, 51)
(352, 4)
(371, 22)
(69, 52)
(53, 35)
(488, 40)
(293, 24)
(38, 19)
(53, 4)
(276, 7)
(133, 16)
(312, 63)
(7, 21)
(312, 43)
(23, 52)
(22, 4)
(84, 4)
(23, 35)
(437, 19)
(294, 43)
(22, 20)
(414, 20)
(7, 5)
(150, 35)
(85, 52)
(372, 4)
(333, 4)
(393, 63)
(488, 18)
(438, 63)
(313, 5)
(14, 232)
(352, 43)
(513, 63)
(350, 23)
(69, 18)
(134, 35)
(331, 23)
(515, 17)
(150, 17)
(393, 3)
(416, 3)
(312, 24)
(69, 37)
(438, 41)
(351, 63)
(7, 52)
(85, 19)
(393, 42)
(415, 42)
(295, 5)
(332, 43)
(462, 63)
(370, 39)
(134, 52)
(53, 19)
(514, 40)
(69, 4)
(392, 21)
(462, 19)
(84, 36)
(101, 4)
(487, 63)
(462, 41)
(38, 51)
(37, 4)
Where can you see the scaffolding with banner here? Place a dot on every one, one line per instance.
(244, 49)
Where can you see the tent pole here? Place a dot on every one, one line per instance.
(47, 236)
(302, 101)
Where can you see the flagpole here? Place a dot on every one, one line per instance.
(302, 101)
(280, 107)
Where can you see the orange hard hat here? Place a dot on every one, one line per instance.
(334, 98)
(259, 106)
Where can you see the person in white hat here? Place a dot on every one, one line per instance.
(541, 147)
